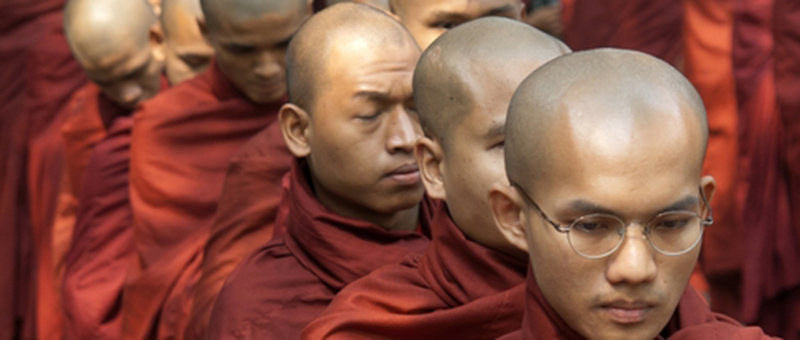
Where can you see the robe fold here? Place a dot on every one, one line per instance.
(54, 76)
(709, 66)
(693, 320)
(245, 218)
(457, 289)
(97, 137)
(650, 26)
(183, 141)
(283, 286)
(103, 242)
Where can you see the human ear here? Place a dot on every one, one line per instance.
(709, 187)
(157, 42)
(507, 209)
(429, 157)
(296, 127)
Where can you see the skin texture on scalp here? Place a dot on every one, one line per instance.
(124, 25)
(462, 87)
(614, 132)
(308, 55)
(382, 4)
(221, 12)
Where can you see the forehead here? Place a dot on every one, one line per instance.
(266, 29)
(371, 58)
(180, 27)
(449, 7)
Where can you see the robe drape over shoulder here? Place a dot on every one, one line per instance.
(183, 142)
(650, 26)
(457, 289)
(693, 320)
(245, 218)
(54, 76)
(102, 245)
(283, 286)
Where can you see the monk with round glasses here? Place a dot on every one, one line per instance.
(604, 151)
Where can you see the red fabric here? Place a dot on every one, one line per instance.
(102, 245)
(53, 77)
(183, 141)
(650, 26)
(457, 289)
(282, 287)
(692, 320)
(245, 218)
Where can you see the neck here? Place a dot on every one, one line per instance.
(400, 220)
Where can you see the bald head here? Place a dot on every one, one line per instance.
(221, 13)
(188, 53)
(101, 31)
(605, 106)
(341, 27)
(460, 67)
(382, 4)
(175, 8)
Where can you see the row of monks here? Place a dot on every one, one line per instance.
(404, 169)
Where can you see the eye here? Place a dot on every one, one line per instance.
(673, 222)
(239, 49)
(593, 225)
(499, 145)
(195, 61)
(446, 25)
(369, 117)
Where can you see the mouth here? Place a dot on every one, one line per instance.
(627, 312)
(405, 175)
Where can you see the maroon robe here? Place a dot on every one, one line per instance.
(282, 287)
(693, 320)
(650, 26)
(183, 141)
(457, 289)
(245, 218)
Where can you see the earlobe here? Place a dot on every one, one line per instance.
(296, 127)
(429, 157)
(508, 214)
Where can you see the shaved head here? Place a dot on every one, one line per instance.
(99, 30)
(451, 72)
(188, 53)
(604, 151)
(622, 98)
(223, 12)
(382, 4)
(119, 45)
(335, 29)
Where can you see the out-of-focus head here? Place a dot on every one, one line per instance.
(250, 38)
(604, 150)
(381, 4)
(462, 87)
(351, 114)
(188, 53)
(119, 45)
(428, 19)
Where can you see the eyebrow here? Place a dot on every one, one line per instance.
(373, 95)
(589, 207)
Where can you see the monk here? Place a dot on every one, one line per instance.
(183, 141)
(187, 52)
(469, 282)
(353, 194)
(604, 151)
(119, 45)
(428, 19)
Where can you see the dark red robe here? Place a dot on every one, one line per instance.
(183, 141)
(457, 289)
(245, 218)
(693, 320)
(650, 26)
(282, 287)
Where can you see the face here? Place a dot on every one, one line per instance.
(428, 19)
(131, 75)
(632, 293)
(252, 53)
(187, 52)
(363, 130)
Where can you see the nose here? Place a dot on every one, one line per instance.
(403, 132)
(634, 262)
(268, 66)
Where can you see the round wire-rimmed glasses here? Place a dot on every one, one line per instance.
(595, 236)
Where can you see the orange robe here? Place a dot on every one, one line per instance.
(692, 320)
(245, 218)
(54, 77)
(457, 289)
(283, 286)
(650, 26)
(183, 141)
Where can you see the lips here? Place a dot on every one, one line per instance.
(407, 174)
(625, 312)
